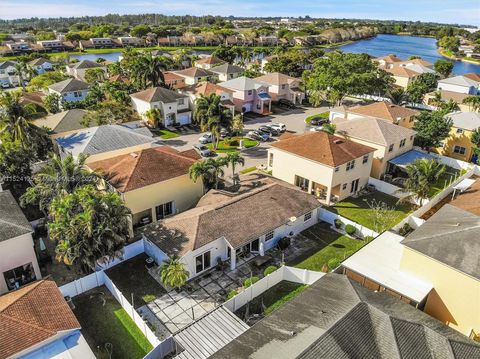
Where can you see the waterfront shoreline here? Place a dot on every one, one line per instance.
(454, 58)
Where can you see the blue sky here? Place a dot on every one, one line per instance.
(447, 11)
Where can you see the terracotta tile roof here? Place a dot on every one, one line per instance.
(157, 94)
(206, 88)
(383, 110)
(210, 60)
(470, 199)
(171, 76)
(473, 76)
(324, 148)
(120, 78)
(402, 72)
(389, 59)
(276, 78)
(417, 62)
(143, 168)
(31, 315)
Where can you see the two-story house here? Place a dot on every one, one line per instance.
(330, 167)
(71, 90)
(462, 84)
(8, 76)
(388, 139)
(174, 81)
(227, 71)
(283, 87)
(207, 88)
(192, 75)
(19, 265)
(79, 69)
(208, 62)
(41, 65)
(154, 182)
(249, 95)
(174, 107)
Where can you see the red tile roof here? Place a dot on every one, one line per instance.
(384, 111)
(206, 88)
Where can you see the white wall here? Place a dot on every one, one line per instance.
(456, 88)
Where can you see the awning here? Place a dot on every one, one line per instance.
(379, 261)
(409, 157)
(464, 184)
(264, 96)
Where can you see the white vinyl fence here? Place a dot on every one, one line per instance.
(93, 280)
(452, 162)
(330, 217)
(291, 274)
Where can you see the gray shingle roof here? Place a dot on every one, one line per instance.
(466, 120)
(450, 236)
(64, 121)
(86, 64)
(13, 222)
(338, 319)
(69, 86)
(227, 69)
(158, 94)
(5, 64)
(459, 81)
(39, 61)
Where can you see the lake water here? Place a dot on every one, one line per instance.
(404, 47)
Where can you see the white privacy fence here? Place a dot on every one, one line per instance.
(291, 274)
(452, 162)
(330, 217)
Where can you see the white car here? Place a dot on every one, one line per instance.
(280, 127)
(206, 138)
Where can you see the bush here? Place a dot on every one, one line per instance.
(269, 270)
(232, 294)
(350, 229)
(338, 223)
(284, 243)
(406, 229)
(249, 281)
(333, 263)
(368, 239)
(233, 142)
(148, 298)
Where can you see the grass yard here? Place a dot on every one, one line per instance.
(325, 115)
(248, 170)
(358, 210)
(225, 146)
(103, 320)
(332, 246)
(166, 134)
(445, 179)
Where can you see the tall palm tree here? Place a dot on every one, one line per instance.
(473, 102)
(146, 70)
(20, 69)
(216, 168)
(233, 159)
(397, 96)
(211, 116)
(201, 170)
(173, 273)
(58, 177)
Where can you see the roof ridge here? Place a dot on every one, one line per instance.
(30, 288)
(15, 225)
(443, 234)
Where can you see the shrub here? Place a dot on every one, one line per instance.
(338, 223)
(284, 243)
(269, 270)
(406, 229)
(233, 142)
(350, 229)
(368, 239)
(249, 281)
(147, 298)
(232, 294)
(333, 263)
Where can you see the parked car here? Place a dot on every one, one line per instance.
(203, 150)
(225, 133)
(283, 102)
(278, 126)
(259, 136)
(5, 85)
(206, 138)
(318, 121)
(269, 130)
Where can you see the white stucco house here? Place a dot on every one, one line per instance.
(226, 226)
(18, 265)
(467, 84)
(174, 107)
(71, 90)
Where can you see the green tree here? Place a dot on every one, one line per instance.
(473, 102)
(216, 168)
(211, 116)
(201, 170)
(443, 67)
(449, 43)
(52, 102)
(94, 75)
(328, 128)
(237, 124)
(173, 273)
(20, 70)
(432, 128)
(146, 71)
(417, 89)
(140, 30)
(233, 159)
(397, 96)
(15, 160)
(153, 117)
(41, 82)
(88, 225)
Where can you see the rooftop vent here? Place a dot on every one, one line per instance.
(134, 154)
(337, 142)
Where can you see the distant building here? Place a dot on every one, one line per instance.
(283, 87)
(79, 69)
(71, 90)
(41, 65)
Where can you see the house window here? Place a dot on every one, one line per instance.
(164, 210)
(459, 149)
(270, 160)
(181, 101)
(307, 216)
(365, 159)
(459, 130)
(283, 87)
(350, 165)
(337, 169)
(410, 119)
(77, 94)
(402, 142)
(344, 187)
(390, 149)
(269, 235)
(249, 92)
(301, 182)
(411, 138)
(202, 262)
(20, 276)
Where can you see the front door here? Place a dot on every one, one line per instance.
(354, 186)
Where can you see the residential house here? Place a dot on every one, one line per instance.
(283, 87)
(458, 144)
(403, 76)
(388, 139)
(97, 43)
(36, 322)
(71, 90)
(328, 166)
(405, 72)
(337, 318)
(18, 46)
(207, 88)
(52, 45)
(79, 69)
(102, 142)
(395, 114)
(192, 75)
(249, 95)
(446, 96)
(227, 71)
(19, 265)
(269, 40)
(461, 84)
(174, 81)
(65, 121)
(208, 62)
(387, 62)
(154, 182)
(264, 211)
(8, 76)
(41, 65)
(174, 107)
(130, 41)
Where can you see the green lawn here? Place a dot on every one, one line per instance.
(331, 245)
(166, 134)
(103, 320)
(309, 119)
(445, 179)
(287, 297)
(248, 170)
(358, 210)
(224, 146)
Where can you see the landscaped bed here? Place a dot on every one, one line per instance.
(358, 209)
(105, 323)
(232, 144)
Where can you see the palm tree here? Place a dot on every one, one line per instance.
(328, 128)
(201, 170)
(449, 106)
(173, 273)
(233, 159)
(146, 70)
(20, 70)
(216, 168)
(473, 102)
(437, 100)
(397, 96)
(153, 115)
(58, 177)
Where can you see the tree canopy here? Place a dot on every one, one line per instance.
(432, 128)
